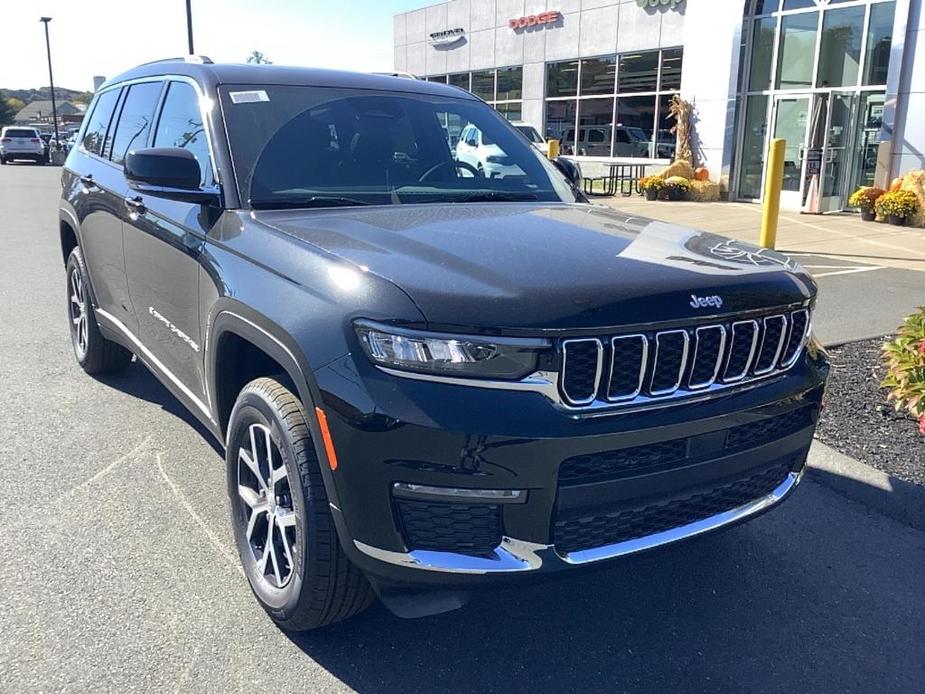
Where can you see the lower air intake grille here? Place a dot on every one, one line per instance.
(587, 532)
(463, 528)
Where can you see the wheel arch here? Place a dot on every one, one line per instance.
(67, 231)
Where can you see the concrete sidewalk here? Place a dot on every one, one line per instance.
(842, 236)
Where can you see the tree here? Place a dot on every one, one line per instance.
(16, 104)
(258, 58)
(6, 113)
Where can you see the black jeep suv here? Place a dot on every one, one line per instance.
(432, 366)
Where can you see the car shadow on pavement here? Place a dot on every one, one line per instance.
(137, 381)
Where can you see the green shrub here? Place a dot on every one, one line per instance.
(905, 363)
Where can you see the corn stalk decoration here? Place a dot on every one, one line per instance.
(681, 111)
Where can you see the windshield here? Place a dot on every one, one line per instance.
(299, 146)
(530, 132)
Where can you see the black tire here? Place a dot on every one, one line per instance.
(2, 160)
(93, 352)
(314, 583)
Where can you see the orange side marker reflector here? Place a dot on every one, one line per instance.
(326, 437)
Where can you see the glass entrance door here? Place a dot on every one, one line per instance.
(837, 151)
(791, 123)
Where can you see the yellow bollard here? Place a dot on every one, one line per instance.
(773, 182)
(552, 148)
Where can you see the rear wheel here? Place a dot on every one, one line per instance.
(94, 353)
(282, 523)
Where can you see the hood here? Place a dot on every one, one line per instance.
(528, 267)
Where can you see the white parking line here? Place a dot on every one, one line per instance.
(849, 271)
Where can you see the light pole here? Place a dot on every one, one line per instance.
(51, 79)
(189, 24)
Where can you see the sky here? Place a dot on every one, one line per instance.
(106, 37)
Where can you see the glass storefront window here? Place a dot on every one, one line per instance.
(595, 127)
(869, 128)
(562, 78)
(512, 110)
(437, 78)
(671, 68)
(560, 123)
(638, 72)
(797, 51)
(754, 135)
(798, 4)
(759, 77)
(598, 75)
(460, 80)
(765, 6)
(635, 122)
(510, 83)
(665, 141)
(483, 85)
(840, 53)
(879, 40)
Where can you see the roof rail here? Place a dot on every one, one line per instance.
(200, 59)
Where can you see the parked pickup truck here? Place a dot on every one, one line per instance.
(426, 380)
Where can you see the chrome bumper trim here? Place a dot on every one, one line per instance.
(513, 555)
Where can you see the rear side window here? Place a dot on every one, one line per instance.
(95, 133)
(180, 125)
(20, 132)
(135, 119)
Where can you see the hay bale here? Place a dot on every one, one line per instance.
(914, 182)
(704, 191)
(679, 168)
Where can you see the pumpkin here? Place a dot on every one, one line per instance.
(702, 173)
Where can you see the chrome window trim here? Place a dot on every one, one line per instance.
(803, 338)
(687, 344)
(597, 373)
(780, 343)
(514, 555)
(644, 362)
(751, 353)
(719, 356)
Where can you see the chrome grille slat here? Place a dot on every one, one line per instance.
(717, 361)
(615, 345)
(736, 327)
(645, 368)
(592, 388)
(682, 365)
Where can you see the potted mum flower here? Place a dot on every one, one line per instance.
(897, 206)
(650, 186)
(865, 198)
(677, 187)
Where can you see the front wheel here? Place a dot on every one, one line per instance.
(94, 353)
(279, 510)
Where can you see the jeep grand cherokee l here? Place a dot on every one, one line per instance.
(426, 380)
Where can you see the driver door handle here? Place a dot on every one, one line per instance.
(135, 205)
(87, 181)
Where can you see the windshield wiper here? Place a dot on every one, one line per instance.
(313, 201)
(493, 196)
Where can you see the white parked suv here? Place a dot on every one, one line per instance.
(22, 143)
(531, 132)
(479, 152)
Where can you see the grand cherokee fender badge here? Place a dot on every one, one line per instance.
(174, 329)
(705, 301)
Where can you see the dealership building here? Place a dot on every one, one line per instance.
(842, 81)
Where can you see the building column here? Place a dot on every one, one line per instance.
(712, 40)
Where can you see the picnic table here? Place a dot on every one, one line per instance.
(622, 176)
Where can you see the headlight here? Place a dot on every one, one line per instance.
(451, 355)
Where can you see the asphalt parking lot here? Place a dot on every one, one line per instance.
(120, 572)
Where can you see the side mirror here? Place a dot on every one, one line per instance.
(167, 172)
(570, 169)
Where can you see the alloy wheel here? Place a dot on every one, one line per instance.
(267, 512)
(78, 312)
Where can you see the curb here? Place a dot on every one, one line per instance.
(888, 495)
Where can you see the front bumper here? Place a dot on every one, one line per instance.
(687, 470)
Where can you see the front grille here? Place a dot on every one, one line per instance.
(464, 528)
(674, 453)
(575, 533)
(681, 361)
